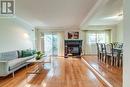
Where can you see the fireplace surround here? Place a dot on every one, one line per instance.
(73, 48)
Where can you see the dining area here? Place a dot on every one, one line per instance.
(110, 53)
(107, 64)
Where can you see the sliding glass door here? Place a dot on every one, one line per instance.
(51, 44)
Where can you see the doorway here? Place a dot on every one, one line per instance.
(51, 44)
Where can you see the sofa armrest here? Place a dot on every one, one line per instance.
(4, 69)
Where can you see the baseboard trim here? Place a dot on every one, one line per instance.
(97, 73)
(90, 55)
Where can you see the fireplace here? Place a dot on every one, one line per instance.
(73, 47)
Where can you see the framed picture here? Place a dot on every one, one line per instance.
(73, 35)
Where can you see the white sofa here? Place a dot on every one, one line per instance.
(9, 62)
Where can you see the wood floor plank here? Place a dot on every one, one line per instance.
(112, 74)
(66, 72)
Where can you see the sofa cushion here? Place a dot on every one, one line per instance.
(33, 51)
(26, 53)
(17, 62)
(8, 55)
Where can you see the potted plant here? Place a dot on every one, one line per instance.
(39, 55)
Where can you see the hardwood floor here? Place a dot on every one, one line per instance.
(112, 74)
(65, 73)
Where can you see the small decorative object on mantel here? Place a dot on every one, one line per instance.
(39, 55)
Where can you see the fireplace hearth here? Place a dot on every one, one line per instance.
(73, 48)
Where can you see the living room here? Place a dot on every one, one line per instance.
(67, 35)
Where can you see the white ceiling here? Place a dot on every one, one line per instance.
(110, 9)
(54, 13)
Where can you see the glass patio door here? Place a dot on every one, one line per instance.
(51, 44)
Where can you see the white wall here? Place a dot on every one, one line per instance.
(65, 30)
(126, 51)
(120, 31)
(15, 34)
(114, 34)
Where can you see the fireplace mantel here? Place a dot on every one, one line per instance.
(73, 47)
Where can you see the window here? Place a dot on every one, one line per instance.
(97, 37)
(101, 38)
(92, 38)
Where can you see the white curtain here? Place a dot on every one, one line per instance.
(42, 41)
(60, 43)
(93, 37)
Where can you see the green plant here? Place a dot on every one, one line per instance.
(39, 55)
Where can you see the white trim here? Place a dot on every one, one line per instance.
(96, 7)
(97, 73)
(57, 28)
(20, 19)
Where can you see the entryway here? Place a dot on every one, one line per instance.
(51, 44)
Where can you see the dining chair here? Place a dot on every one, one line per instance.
(120, 45)
(119, 60)
(100, 52)
(104, 52)
(115, 44)
(110, 55)
(119, 54)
